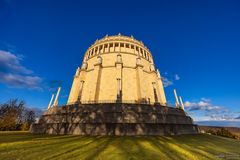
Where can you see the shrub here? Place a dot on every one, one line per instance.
(222, 132)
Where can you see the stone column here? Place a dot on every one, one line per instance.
(176, 98)
(108, 47)
(114, 46)
(56, 98)
(181, 102)
(134, 48)
(50, 103)
(97, 50)
(119, 66)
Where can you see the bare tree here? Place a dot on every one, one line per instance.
(13, 114)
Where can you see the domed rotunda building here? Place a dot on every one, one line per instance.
(116, 91)
(117, 69)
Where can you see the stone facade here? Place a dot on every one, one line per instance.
(115, 119)
(117, 68)
(116, 91)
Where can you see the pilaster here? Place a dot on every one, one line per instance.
(76, 86)
(160, 88)
(139, 79)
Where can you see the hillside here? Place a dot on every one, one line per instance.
(233, 130)
(23, 145)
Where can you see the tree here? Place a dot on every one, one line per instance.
(29, 118)
(13, 114)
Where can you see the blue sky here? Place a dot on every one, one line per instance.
(195, 44)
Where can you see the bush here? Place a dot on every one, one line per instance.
(25, 126)
(222, 132)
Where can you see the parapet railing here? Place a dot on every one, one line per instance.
(122, 102)
(118, 102)
(113, 101)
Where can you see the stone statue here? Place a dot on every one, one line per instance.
(152, 67)
(99, 60)
(138, 61)
(84, 65)
(119, 58)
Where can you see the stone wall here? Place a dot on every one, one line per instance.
(128, 69)
(115, 119)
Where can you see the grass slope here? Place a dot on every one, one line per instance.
(23, 145)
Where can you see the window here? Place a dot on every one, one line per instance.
(105, 48)
(117, 47)
(132, 46)
(96, 50)
(127, 45)
(141, 51)
(88, 54)
(111, 48)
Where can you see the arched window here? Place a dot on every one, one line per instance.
(91, 52)
(96, 49)
(117, 47)
(141, 52)
(88, 54)
(101, 49)
(111, 48)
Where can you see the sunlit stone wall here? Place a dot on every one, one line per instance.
(117, 68)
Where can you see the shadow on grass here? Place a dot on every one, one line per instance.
(125, 147)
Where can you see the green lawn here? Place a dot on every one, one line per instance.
(23, 145)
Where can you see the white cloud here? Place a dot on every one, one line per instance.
(205, 110)
(11, 63)
(201, 105)
(13, 74)
(205, 99)
(19, 81)
(167, 82)
(177, 77)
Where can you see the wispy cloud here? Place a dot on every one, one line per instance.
(11, 63)
(14, 74)
(201, 105)
(237, 117)
(169, 80)
(177, 77)
(205, 110)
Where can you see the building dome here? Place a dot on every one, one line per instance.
(117, 69)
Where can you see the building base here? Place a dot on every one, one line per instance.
(115, 119)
